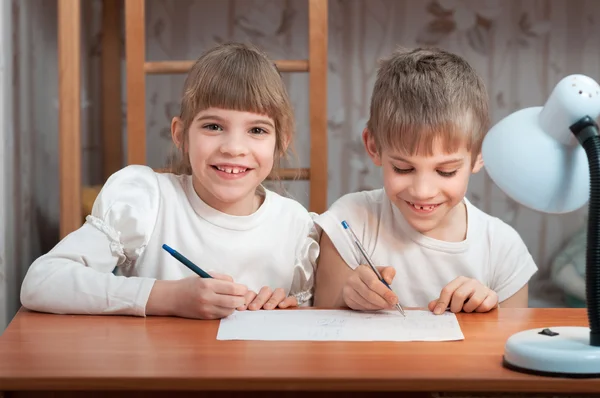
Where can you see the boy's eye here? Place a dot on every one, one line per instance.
(257, 130)
(447, 173)
(401, 171)
(212, 126)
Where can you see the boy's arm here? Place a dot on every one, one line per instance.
(518, 300)
(332, 274)
(513, 267)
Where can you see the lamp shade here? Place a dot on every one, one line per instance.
(533, 156)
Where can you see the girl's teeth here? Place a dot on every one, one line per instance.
(231, 170)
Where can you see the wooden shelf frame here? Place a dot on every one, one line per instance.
(69, 41)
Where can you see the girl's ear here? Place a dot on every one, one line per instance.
(177, 132)
(285, 143)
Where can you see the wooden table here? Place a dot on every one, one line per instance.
(41, 353)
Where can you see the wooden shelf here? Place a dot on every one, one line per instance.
(76, 199)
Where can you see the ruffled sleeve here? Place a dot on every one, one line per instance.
(76, 276)
(126, 210)
(306, 264)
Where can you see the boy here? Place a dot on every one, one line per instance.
(428, 118)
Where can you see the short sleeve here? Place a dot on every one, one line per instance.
(306, 263)
(513, 265)
(126, 211)
(354, 209)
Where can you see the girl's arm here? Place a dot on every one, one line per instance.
(75, 277)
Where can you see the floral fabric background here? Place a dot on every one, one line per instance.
(521, 49)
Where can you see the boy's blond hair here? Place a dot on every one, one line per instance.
(238, 77)
(424, 95)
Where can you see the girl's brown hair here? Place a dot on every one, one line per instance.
(238, 77)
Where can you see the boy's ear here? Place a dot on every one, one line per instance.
(177, 132)
(478, 164)
(371, 147)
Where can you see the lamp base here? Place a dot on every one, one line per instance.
(556, 351)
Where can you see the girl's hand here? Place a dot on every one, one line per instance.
(208, 298)
(268, 300)
(465, 294)
(365, 292)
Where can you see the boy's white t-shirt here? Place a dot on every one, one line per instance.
(492, 253)
(137, 212)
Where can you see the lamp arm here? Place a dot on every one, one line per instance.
(586, 131)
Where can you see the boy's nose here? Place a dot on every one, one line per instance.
(423, 189)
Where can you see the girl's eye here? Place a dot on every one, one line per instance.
(401, 171)
(257, 130)
(446, 173)
(213, 127)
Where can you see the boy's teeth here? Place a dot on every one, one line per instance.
(422, 207)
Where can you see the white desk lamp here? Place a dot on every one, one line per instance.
(543, 157)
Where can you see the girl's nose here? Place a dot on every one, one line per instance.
(233, 145)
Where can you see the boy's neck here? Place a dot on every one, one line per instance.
(454, 226)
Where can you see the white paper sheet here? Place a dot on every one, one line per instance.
(339, 325)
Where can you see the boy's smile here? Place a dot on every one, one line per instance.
(423, 208)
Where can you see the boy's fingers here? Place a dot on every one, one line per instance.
(463, 293)
(357, 302)
(490, 302)
(388, 274)
(374, 299)
(446, 295)
(370, 280)
(476, 299)
(261, 298)
(277, 297)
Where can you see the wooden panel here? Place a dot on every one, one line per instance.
(65, 352)
(317, 42)
(112, 144)
(69, 116)
(293, 174)
(171, 67)
(135, 53)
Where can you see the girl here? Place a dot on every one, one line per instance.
(236, 122)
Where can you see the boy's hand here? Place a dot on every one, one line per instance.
(268, 299)
(464, 294)
(365, 292)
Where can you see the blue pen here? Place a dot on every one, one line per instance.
(368, 260)
(197, 270)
